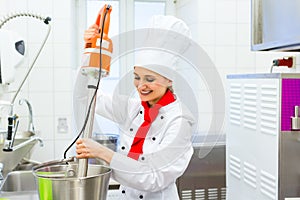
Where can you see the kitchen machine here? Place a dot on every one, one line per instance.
(262, 136)
(78, 179)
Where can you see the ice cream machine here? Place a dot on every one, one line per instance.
(262, 136)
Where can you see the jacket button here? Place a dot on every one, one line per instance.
(161, 117)
(143, 158)
(153, 138)
(123, 148)
(123, 191)
(141, 197)
(131, 129)
(141, 112)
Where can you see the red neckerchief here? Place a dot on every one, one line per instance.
(149, 116)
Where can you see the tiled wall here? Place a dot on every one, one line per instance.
(221, 27)
(49, 85)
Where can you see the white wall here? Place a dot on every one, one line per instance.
(222, 28)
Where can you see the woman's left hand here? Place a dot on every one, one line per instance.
(88, 148)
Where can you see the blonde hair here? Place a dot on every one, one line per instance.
(171, 89)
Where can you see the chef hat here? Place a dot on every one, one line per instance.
(165, 39)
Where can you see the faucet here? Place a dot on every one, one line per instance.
(13, 123)
(30, 121)
(1, 170)
(27, 142)
(8, 146)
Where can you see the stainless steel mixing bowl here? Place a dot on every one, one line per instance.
(61, 182)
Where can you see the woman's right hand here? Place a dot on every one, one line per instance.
(91, 32)
(88, 148)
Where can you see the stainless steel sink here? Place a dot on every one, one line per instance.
(19, 181)
(11, 159)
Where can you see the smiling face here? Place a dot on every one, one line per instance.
(150, 85)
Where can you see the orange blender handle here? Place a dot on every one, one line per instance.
(100, 17)
(91, 43)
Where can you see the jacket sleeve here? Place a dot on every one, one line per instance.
(159, 169)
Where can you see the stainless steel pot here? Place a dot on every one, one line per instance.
(108, 140)
(61, 182)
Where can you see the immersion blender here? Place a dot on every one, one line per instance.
(95, 65)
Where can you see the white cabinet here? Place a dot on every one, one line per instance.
(259, 139)
(275, 25)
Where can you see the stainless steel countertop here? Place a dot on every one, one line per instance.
(33, 195)
(29, 195)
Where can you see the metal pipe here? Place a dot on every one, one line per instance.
(30, 118)
(32, 64)
(23, 14)
(27, 142)
(87, 133)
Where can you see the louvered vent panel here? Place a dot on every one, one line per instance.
(250, 98)
(235, 166)
(269, 109)
(204, 194)
(250, 174)
(187, 194)
(268, 185)
(200, 194)
(223, 193)
(235, 104)
(212, 193)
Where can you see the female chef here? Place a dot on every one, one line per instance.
(155, 141)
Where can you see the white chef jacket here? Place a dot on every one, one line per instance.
(167, 148)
